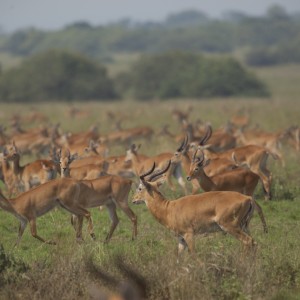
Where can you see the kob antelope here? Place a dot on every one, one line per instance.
(239, 180)
(28, 206)
(196, 214)
(109, 190)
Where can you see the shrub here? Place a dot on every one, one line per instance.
(9, 264)
(283, 53)
(56, 75)
(177, 74)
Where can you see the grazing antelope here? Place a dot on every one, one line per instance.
(239, 180)
(7, 175)
(196, 214)
(220, 139)
(74, 196)
(111, 191)
(270, 141)
(31, 174)
(87, 171)
(75, 112)
(240, 120)
(292, 135)
(116, 164)
(31, 140)
(108, 190)
(141, 163)
(78, 140)
(253, 156)
(127, 136)
(38, 201)
(216, 166)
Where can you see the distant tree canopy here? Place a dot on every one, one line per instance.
(283, 53)
(56, 75)
(60, 75)
(178, 74)
(185, 31)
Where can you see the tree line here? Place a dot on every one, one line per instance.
(191, 31)
(62, 75)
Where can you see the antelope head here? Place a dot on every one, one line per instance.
(197, 165)
(181, 150)
(131, 152)
(11, 152)
(151, 184)
(65, 160)
(92, 148)
(202, 144)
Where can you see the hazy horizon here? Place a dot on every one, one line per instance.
(52, 15)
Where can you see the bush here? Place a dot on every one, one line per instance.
(56, 75)
(283, 53)
(9, 265)
(178, 74)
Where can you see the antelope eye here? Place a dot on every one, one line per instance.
(196, 169)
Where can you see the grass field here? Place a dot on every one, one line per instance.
(38, 271)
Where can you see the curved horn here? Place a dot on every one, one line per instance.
(142, 177)
(164, 170)
(206, 136)
(183, 144)
(67, 152)
(201, 158)
(198, 159)
(194, 155)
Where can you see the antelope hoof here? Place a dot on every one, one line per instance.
(93, 236)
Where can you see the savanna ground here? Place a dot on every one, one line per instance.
(38, 271)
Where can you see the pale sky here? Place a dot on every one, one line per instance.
(54, 14)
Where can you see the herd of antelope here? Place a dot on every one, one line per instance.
(216, 170)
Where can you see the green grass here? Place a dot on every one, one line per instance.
(220, 270)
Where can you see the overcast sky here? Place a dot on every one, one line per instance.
(54, 14)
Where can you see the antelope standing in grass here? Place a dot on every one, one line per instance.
(196, 214)
(28, 206)
(141, 163)
(240, 180)
(253, 156)
(75, 197)
(31, 174)
(107, 190)
(183, 155)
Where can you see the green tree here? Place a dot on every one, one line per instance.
(56, 75)
(179, 74)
